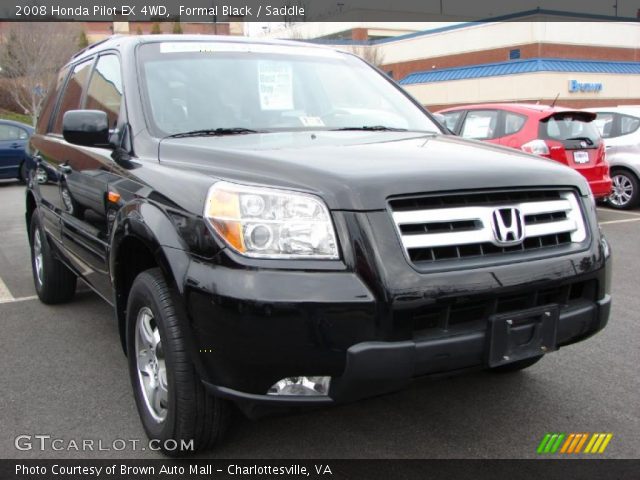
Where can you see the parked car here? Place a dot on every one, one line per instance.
(13, 140)
(620, 129)
(280, 225)
(567, 136)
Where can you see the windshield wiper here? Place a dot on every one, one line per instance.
(213, 132)
(586, 139)
(371, 128)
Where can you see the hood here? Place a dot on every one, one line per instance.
(360, 170)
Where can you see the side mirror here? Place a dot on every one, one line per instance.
(86, 127)
(442, 120)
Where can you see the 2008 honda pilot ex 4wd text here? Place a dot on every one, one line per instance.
(277, 224)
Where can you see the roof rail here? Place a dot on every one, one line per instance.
(93, 45)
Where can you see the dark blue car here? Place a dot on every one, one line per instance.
(13, 140)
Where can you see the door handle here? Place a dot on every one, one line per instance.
(15, 145)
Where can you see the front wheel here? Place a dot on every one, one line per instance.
(173, 405)
(624, 193)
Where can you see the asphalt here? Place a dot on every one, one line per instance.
(62, 373)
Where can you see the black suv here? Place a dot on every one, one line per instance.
(280, 225)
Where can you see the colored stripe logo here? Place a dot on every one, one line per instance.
(570, 443)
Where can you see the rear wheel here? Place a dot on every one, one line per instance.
(517, 366)
(23, 173)
(54, 282)
(172, 402)
(624, 194)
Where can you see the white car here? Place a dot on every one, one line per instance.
(620, 129)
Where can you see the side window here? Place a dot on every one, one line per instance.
(49, 104)
(11, 133)
(481, 124)
(451, 119)
(628, 124)
(604, 122)
(73, 93)
(105, 88)
(513, 122)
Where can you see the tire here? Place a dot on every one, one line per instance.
(516, 366)
(626, 190)
(54, 282)
(22, 172)
(172, 402)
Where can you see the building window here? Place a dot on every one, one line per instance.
(514, 54)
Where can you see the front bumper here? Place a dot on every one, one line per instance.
(374, 368)
(374, 322)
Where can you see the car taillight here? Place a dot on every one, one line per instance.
(536, 147)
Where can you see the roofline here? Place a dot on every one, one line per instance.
(405, 80)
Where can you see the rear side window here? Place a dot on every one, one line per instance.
(50, 102)
(451, 119)
(513, 122)
(605, 123)
(628, 124)
(72, 95)
(481, 124)
(9, 133)
(105, 88)
(572, 129)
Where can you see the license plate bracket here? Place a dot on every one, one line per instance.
(522, 334)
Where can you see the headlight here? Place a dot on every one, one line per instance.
(270, 223)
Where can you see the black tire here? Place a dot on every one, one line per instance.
(516, 366)
(190, 412)
(628, 180)
(22, 172)
(54, 283)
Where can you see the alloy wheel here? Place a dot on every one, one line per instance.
(622, 190)
(38, 258)
(150, 361)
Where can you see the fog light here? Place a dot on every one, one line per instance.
(301, 386)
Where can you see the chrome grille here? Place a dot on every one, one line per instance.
(434, 229)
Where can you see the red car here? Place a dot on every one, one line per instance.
(567, 136)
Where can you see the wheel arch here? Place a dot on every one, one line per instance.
(143, 238)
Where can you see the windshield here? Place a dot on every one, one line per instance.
(193, 86)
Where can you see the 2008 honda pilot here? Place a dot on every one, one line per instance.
(278, 224)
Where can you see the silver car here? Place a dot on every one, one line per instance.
(620, 129)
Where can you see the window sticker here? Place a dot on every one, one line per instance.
(275, 82)
(312, 121)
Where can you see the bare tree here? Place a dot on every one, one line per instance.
(30, 56)
(369, 53)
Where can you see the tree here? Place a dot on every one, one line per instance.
(155, 29)
(177, 28)
(369, 53)
(31, 55)
(83, 41)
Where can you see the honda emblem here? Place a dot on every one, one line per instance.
(508, 226)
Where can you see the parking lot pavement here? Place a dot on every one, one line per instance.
(63, 374)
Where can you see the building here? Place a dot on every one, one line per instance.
(577, 64)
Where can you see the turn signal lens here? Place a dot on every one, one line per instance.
(269, 223)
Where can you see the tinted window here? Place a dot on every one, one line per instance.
(513, 122)
(481, 124)
(50, 102)
(9, 132)
(105, 88)
(451, 119)
(628, 124)
(73, 93)
(571, 129)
